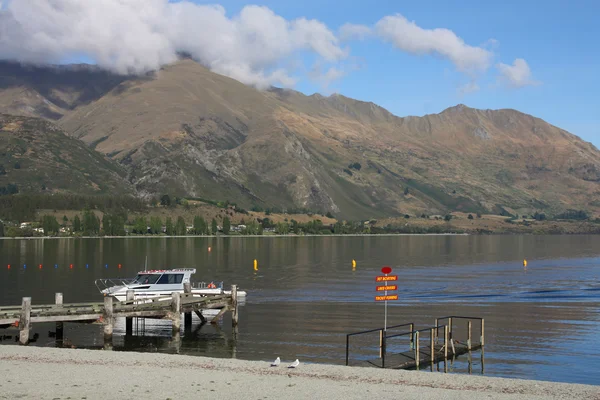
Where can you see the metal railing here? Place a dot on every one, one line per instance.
(433, 331)
(451, 320)
(382, 336)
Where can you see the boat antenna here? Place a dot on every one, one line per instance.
(146, 264)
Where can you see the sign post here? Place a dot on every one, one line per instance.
(385, 279)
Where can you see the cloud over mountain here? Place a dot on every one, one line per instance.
(255, 46)
(408, 36)
(136, 36)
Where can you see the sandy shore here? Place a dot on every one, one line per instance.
(46, 373)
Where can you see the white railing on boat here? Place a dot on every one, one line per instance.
(106, 283)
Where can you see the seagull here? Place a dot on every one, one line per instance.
(294, 364)
(276, 362)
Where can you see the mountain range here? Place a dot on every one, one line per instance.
(187, 131)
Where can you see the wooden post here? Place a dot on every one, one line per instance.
(176, 312)
(187, 317)
(380, 343)
(469, 336)
(108, 318)
(437, 331)
(348, 350)
(445, 342)
(432, 345)
(482, 339)
(25, 320)
(58, 301)
(417, 355)
(129, 320)
(234, 306)
(412, 343)
(450, 328)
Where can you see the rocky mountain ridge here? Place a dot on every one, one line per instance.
(190, 132)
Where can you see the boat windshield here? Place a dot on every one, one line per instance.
(145, 279)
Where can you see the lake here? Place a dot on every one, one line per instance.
(542, 322)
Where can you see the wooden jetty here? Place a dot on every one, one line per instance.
(164, 307)
(434, 351)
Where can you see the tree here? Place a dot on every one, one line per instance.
(76, 224)
(91, 223)
(213, 227)
(180, 229)
(1, 229)
(226, 225)
(448, 217)
(329, 214)
(106, 222)
(117, 225)
(165, 200)
(50, 224)
(65, 219)
(470, 216)
(200, 226)
(406, 191)
(140, 226)
(155, 225)
(170, 229)
(282, 228)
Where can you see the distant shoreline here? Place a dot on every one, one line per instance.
(238, 236)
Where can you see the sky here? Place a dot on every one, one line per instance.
(411, 57)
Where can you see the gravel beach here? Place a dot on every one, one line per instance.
(48, 373)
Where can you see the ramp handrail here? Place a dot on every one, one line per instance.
(381, 338)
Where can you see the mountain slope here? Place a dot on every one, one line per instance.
(36, 156)
(188, 131)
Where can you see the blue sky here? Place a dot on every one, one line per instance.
(558, 39)
(414, 57)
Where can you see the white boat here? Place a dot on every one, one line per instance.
(155, 283)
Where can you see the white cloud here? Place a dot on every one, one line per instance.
(354, 32)
(408, 36)
(135, 36)
(326, 76)
(516, 75)
(467, 88)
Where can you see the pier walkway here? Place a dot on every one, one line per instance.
(163, 307)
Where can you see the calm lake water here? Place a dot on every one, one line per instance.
(542, 322)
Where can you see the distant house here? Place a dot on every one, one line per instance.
(25, 225)
(238, 228)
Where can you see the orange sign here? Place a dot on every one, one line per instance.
(388, 297)
(386, 278)
(384, 288)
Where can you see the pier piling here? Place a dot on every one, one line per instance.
(58, 301)
(129, 320)
(108, 319)
(25, 320)
(176, 313)
(187, 316)
(234, 306)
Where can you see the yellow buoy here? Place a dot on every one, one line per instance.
(255, 265)
(353, 264)
(524, 263)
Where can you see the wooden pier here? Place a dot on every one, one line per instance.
(435, 350)
(164, 307)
